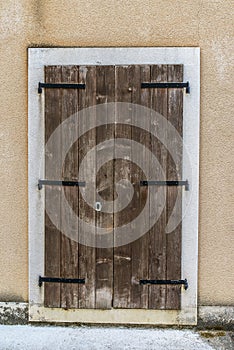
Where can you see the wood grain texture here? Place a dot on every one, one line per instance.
(105, 93)
(112, 275)
(52, 234)
(122, 254)
(69, 248)
(139, 253)
(87, 254)
(174, 171)
(157, 237)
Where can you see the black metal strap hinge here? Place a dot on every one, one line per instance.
(60, 280)
(165, 183)
(60, 183)
(59, 86)
(167, 86)
(175, 282)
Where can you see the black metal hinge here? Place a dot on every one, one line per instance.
(167, 86)
(59, 86)
(175, 282)
(165, 183)
(60, 280)
(60, 183)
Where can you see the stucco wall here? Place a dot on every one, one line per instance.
(204, 23)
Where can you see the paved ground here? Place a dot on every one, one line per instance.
(94, 338)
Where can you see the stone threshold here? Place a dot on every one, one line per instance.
(209, 317)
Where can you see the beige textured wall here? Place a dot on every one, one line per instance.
(204, 23)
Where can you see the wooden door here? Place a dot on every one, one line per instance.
(112, 275)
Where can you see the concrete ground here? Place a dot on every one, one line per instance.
(97, 338)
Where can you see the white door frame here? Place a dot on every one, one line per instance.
(40, 57)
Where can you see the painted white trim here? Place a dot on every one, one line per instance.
(38, 58)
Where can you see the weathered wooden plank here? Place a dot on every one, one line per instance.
(122, 170)
(155, 255)
(52, 234)
(105, 93)
(139, 248)
(69, 248)
(87, 256)
(157, 237)
(174, 171)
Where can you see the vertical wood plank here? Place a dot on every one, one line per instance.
(69, 248)
(157, 237)
(52, 234)
(87, 256)
(174, 171)
(105, 93)
(122, 169)
(139, 253)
